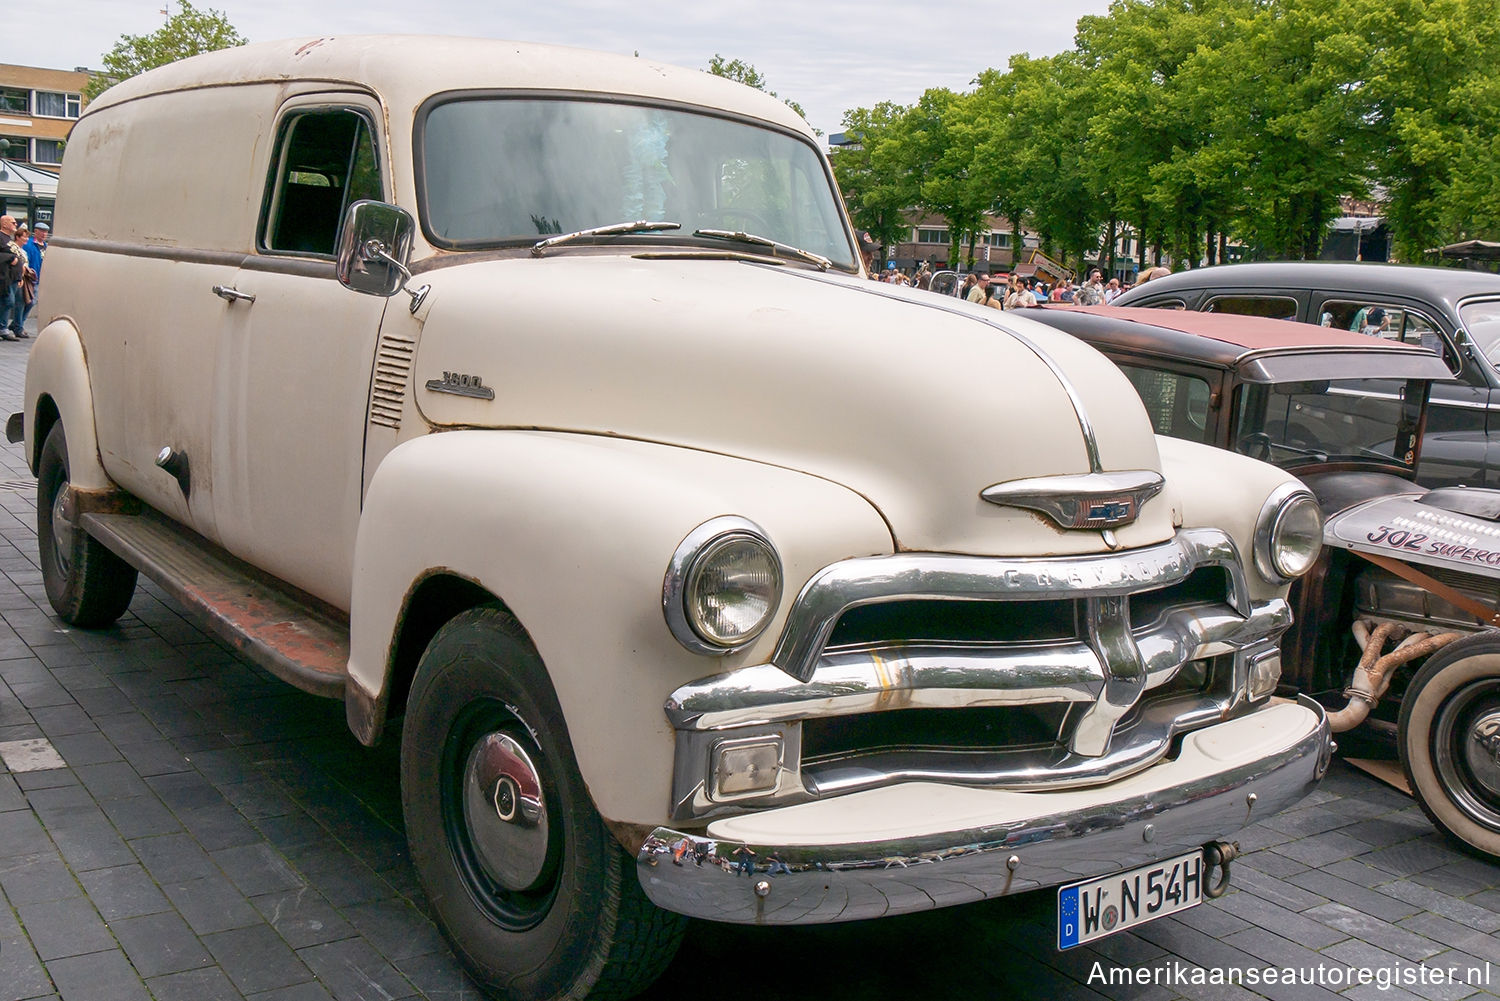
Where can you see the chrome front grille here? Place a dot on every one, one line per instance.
(1006, 673)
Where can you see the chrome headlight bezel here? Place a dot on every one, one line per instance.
(1271, 527)
(677, 600)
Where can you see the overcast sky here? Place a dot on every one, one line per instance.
(828, 55)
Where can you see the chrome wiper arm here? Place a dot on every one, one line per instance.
(739, 236)
(613, 229)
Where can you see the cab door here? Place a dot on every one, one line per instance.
(295, 356)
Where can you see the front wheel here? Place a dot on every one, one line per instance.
(1450, 740)
(534, 894)
(88, 585)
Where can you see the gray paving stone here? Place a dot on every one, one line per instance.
(211, 904)
(1372, 902)
(21, 834)
(99, 976)
(61, 928)
(112, 780)
(1454, 936)
(1375, 931)
(195, 985)
(158, 944)
(1443, 905)
(399, 931)
(352, 970)
(305, 992)
(438, 977)
(81, 749)
(91, 843)
(1413, 857)
(21, 973)
(256, 959)
(1288, 923)
(257, 869)
(1279, 892)
(125, 891)
(303, 917)
(32, 879)
(173, 858)
(1322, 849)
(1271, 864)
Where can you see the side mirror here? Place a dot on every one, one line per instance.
(373, 247)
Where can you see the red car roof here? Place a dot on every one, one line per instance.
(1252, 333)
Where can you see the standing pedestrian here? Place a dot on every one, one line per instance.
(36, 249)
(12, 267)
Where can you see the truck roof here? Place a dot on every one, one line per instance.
(410, 68)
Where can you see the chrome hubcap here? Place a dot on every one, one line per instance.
(1483, 751)
(506, 813)
(62, 530)
(1466, 751)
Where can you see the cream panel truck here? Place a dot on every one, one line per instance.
(537, 399)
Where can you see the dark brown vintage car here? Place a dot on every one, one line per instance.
(1393, 626)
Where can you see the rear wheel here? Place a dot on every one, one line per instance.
(88, 585)
(535, 895)
(1450, 740)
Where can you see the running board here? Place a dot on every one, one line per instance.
(300, 639)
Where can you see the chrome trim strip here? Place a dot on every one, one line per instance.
(939, 676)
(906, 576)
(1087, 502)
(830, 882)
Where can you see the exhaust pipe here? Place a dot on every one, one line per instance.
(1372, 676)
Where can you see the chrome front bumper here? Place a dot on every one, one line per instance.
(919, 846)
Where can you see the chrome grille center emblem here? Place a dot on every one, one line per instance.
(1088, 502)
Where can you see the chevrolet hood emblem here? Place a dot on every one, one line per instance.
(1088, 502)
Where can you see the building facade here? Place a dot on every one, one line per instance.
(37, 110)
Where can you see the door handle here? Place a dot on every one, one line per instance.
(231, 294)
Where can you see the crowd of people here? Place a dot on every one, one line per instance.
(1009, 291)
(21, 253)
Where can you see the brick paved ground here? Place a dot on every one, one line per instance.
(214, 834)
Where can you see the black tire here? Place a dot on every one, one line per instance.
(88, 585)
(1450, 741)
(577, 924)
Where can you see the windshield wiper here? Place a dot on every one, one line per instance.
(614, 229)
(738, 236)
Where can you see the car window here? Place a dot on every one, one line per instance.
(1388, 320)
(1482, 321)
(1296, 423)
(1275, 307)
(1165, 304)
(1176, 402)
(325, 160)
(505, 169)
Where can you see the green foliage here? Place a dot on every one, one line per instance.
(876, 173)
(742, 72)
(187, 33)
(1183, 119)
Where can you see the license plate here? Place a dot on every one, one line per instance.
(1099, 907)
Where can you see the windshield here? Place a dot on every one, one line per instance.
(1482, 321)
(496, 170)
(1297, 423)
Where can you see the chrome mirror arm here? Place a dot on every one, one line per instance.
(374, 250)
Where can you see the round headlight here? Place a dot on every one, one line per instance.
(723, 586)
(1289, 534)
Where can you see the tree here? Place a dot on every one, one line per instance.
(875, 172)
(187, 33)
(742, 72)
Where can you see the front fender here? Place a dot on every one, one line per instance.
(574, 534)
(57, 369)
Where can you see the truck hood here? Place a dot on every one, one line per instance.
(915, 401)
